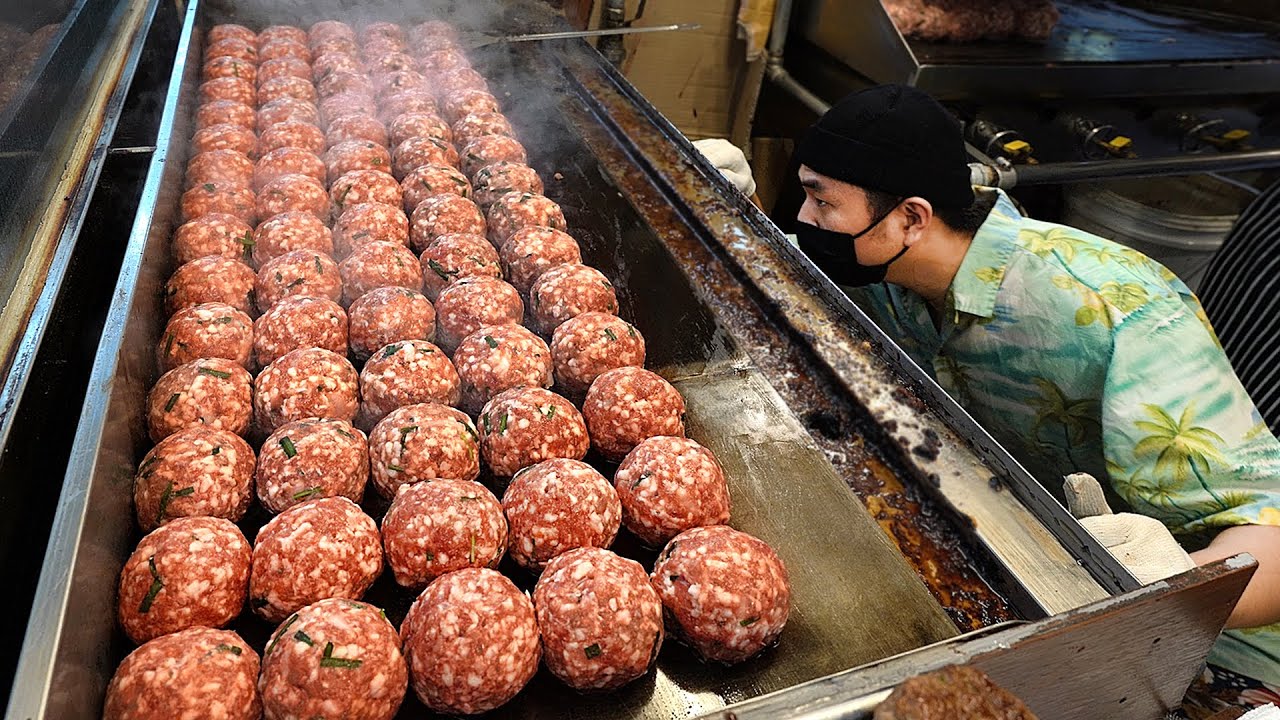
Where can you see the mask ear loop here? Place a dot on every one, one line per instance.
(873, 226)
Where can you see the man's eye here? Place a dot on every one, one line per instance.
(821, 203)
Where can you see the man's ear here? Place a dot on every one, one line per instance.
(917, 216)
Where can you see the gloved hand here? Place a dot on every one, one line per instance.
(1142, 544)
(730, 161)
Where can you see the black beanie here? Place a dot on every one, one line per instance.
(894, 139)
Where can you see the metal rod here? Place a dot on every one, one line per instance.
(1075, 172)
(781, 26)
(570, 34)
(775, 69)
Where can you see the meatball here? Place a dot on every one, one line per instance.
(451, 81)
(286, 109)
(228, 31)
(381, 30)
(726, 591)
(344, 81)
(227, 88)
(185, 675)
(296, 323)
(210, 392)
(556, 506)
(309, 383)
(283, 48)
(227, 66)
(388, 315)
(626, 406)
(290, 231)
(298, 273)
(668, 485)
(393, 83)
(225, 112)
(209, 280)
(335, 45)
(489, 149)
(357, 155)
(442, 526)
(219, 167)
(224, 136)
(320, 548)
(362, 223)
(444, 215)
(329, 30)
(517, 210)
(407, 372)
(952, 691)
(497, 358)
(232, 48)
(493, 181)
(455, 630)
(208, 330)
(298, 135)
(418, 151)
(283, 67)
(311, 459)
(215, 234)
(429, 180)
(411, 125)
(326, 64)
(199, 471)
(406, 101)
(356, 128)
(364, 186)
(453, 257)
(283, 161)
(524, 426)
(591, 344)
(336, 658)
(531, 251)
(189, 572)
(345, 104)
(379, 264)
(422, 442)
(293, 193)
(472, 303)
(461, 103)
(567, 291)
(431, 30)
(600, 619)
(274, 33)
(381, 62)
(222, 199)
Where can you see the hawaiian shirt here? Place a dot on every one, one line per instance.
(1079, 354)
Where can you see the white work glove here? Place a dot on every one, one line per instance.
(1142, 544)
(1266, 712)
(730, 161)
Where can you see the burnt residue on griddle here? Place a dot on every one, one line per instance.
(930, 447)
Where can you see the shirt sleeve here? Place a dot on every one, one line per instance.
(1183, 441)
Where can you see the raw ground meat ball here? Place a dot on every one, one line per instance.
(471, 641)
(472, 303)
(473, 127)
(556, 506)
(224, 199)
(517, 210)
(591, 344)
(215, 234)
(403, 373)
(317, 549)
(326, 64)
(433, 29)
(489, 149)
(231, 67)
(388, 59)
(311, 459)
(287, 232)
(422, 442)
(411, 125)
(210, 330)
(453, 257)
(600, 619)
(287, 161)
(668, 485)
(224, 137)
(209, 280)
(283, 48)
(357, 155)
(625, 407)
(284, 110)
(300, 273)
(282, 32)
(497, 358)
(294, 193)
(344, 81)
(461, 103)
(296, 323)
(726, 591)
(441, 215)
(376, 48)
(227, 31)
(388, 315)
(364, 186)
(283, 67)
(376, 30)
(356, 127)
(190, 572)
(362, 223)
(228, 88)
(379, 264)
(418, 151)
(461, 79)
(344, 104)
(531, 251)
(334, 659)
(493, 181)
(293, 134)
(210, 392)
(195, 673)
(430, 180)
(225, 112)
(231, 47)
(442, 526)
(405, 101)
(330, 29)
(330, 46)
(567, 291)
(524, 426)
(197, 472)
(310, 383)
(400, 81)
(219, 167)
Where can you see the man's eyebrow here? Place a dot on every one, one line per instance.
(811, 183)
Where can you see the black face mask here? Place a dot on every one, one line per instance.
(836, 254)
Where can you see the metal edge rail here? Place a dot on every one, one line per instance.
(1093, 170)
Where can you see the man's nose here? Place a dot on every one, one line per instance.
(806, 213)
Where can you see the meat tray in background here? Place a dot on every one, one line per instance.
(966, 21)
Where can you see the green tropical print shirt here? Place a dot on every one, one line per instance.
(1080, 354)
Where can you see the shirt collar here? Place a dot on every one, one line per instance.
(976, 284)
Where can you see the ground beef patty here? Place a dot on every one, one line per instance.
(451, 81)
(444, 214)
(225, 112)
(955, 691)
(399, 81)
(437, 527)
(454, 257)
(219, 167)
(471, 303)
(228, 31)
(233, 48)
(320, 548)
(600, 619)
(229, 199)
(286, 109)
(493, 181)
(190, 572)
(471, 127)
(471, 641)
(517, 210)
(379, 264)
(295, 323)
(407, 372)
(209, 330)
(556, 506)
(364, 186)
(228, 66)
(668, 485)
(345, 81)
(286, 161)
(329, 30)
(284, 67)
(589, 345)
(411, 125)
(299, 273)
(210, 392)
(196, 472)
(224, 137)
(356, 127)
(489, 149)
(282, 32)
(388, 315)
(283, 48)
(333, 659)
(310, 383)
(566, 291)
(369, 222)
(461, 103)
(293, 193)
(418, 151)
(215, 234)
(427, 181)
(725, 591)
(210, 280)
(287, 232)
(629, 405)
(326, 64)
(195, 673)
(281, 87)
(497, 358)
(311, 459)
(524, 426)
(345, 104)
(423, 442)
(357, 155)
(293, 134)
(531, 251)
(406, 101)
(227, 88)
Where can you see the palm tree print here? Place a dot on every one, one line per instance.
(1075, 417)
(1161, 494)
(1126, 298)
(1106, 253)
(954, 377)
(1182, 448)
(1054, 240)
